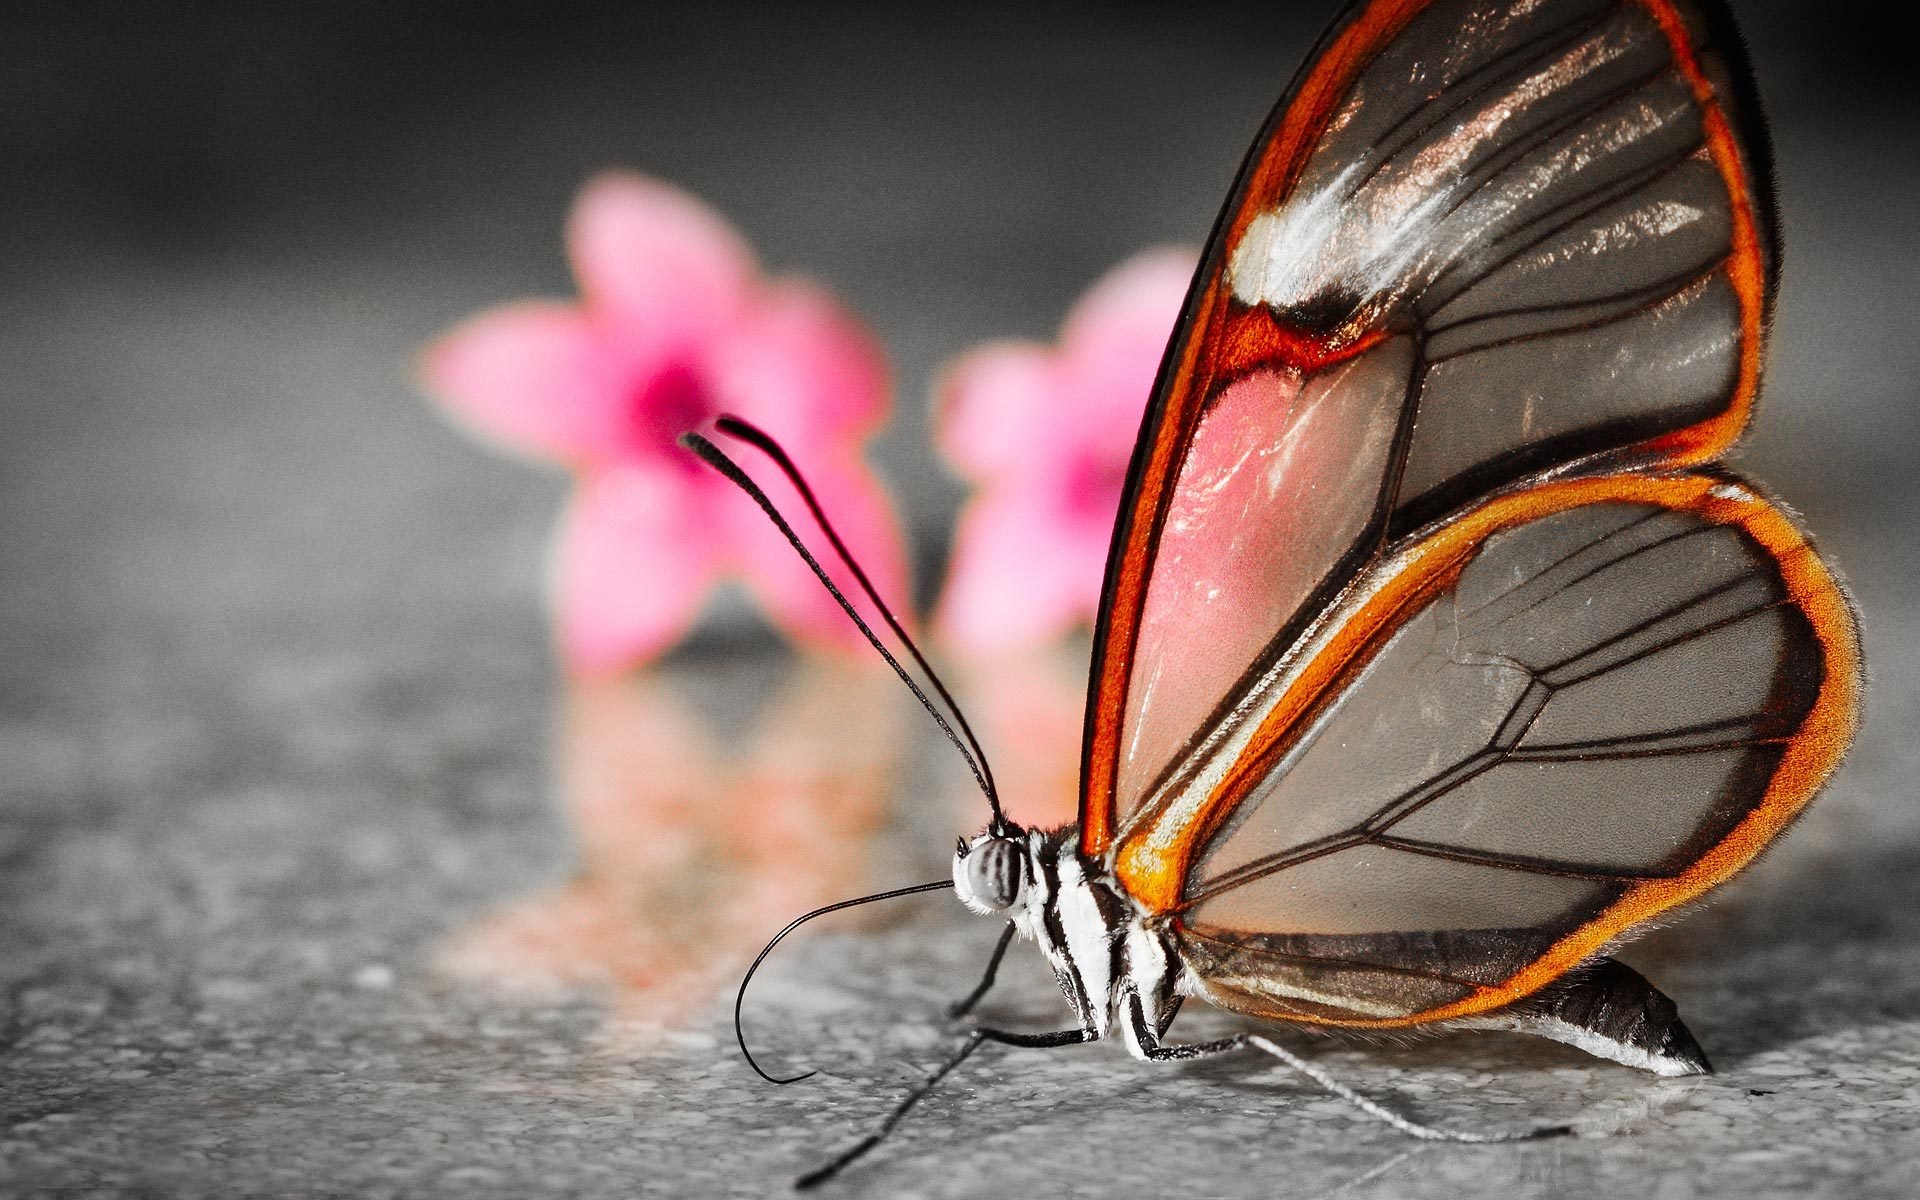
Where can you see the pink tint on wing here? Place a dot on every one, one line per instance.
(1047, 432)
(1278, 482)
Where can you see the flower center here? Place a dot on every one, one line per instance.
(668, 403)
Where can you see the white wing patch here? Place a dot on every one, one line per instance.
(1324, 244)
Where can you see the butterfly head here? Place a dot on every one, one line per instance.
(992, 871)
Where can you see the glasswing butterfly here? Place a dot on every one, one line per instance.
(1436, 654)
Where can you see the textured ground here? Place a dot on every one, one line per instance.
(311, 879)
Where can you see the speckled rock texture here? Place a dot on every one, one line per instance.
(309, 878)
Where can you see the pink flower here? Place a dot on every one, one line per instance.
(1046, 433)
(675, 326)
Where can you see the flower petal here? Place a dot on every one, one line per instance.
(855, 502)
(662, 267)
(1050, 432)
(996, 408)
(1113, 340)
(635, 558)
(802, 366)
(1016, 581)
(533, 377)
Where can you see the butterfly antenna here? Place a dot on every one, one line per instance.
(716, 458)
(762, 441)
(740, 997)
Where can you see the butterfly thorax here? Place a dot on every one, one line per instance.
(1104, 953)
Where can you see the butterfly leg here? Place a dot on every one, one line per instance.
(976, 1039)
(962, 1007)
(1167, 1014)
(1610, 1010)
(1152, 1048)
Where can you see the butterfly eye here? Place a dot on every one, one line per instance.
(995, 873)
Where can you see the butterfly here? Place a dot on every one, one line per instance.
(1436, 654)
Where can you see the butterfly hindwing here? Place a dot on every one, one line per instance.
(1572, 708)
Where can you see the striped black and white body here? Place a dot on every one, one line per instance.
(1117, 973)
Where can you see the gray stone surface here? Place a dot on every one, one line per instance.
(301, 887)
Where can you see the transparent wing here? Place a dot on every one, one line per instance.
(1572, 709)
(1480, 241)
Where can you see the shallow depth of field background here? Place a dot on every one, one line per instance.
(277, 709)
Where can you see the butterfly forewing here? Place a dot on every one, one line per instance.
(1478, 243)
(1572, 708)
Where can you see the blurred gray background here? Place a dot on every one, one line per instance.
(275, 691)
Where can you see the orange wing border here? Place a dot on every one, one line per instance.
(1152, 862)
(1205, 346)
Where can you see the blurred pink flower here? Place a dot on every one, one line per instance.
(676, 325)
(1046, 433)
